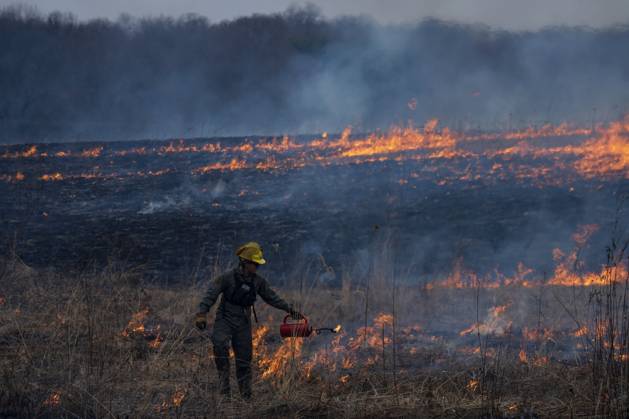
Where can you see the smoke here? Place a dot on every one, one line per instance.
(293, 72)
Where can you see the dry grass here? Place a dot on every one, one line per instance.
(63, 353)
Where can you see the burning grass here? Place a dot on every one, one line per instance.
(104, 344)
(539, 154)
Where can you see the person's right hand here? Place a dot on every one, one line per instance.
(296, 315)
(200, 321)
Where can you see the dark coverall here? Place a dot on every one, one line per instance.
(233, 323)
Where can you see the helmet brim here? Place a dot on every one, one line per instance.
(259, 261)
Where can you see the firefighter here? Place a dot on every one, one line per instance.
(239, 288)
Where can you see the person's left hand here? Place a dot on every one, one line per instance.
(200, 321)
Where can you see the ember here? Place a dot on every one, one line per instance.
(136, 324)
(53, 400)
(175, 401)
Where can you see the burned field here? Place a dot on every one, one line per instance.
(471, 273)
(172, 207)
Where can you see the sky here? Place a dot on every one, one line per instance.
(505, 14)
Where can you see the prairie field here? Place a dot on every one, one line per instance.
(107, 344)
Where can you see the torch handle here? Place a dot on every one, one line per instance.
(305, 320)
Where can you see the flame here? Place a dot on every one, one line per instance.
(341, 353)
(583, 234)
(136, 324)
(274, 365)
(494, 323)
(513, 407)
(366, 346)
(563, 275)
(458, 279)
(609, 152)
(94, 152)
(278, 363)
(51, 177)
(31, 151)
(383, 319)
(157, 341)
(258, 338)
(473, 385)
(599, 152)
(537, 335)
(234, 164)
(279, 146)
(547, 130)
(347, 363)
(18, 177)
(337, 328)
(53, 400)
(522, 356)
(178, 398)
(541, 361)
(396, 141)
(581, 331)
(498, 310)
(461, 278)
(372, 336)
(175, 401)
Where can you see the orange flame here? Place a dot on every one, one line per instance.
(175, 401)
(473, 385)
(157, 342)
(53, 400)
(605, 153)
(51, 177)
(136, 324)
(581, 331)
(234, 164)
(541, 361)
(522, 356)
(493, 324)
(18, 177)
(281, 359)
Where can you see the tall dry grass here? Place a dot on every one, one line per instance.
(64, 352)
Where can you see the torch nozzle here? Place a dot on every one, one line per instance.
(329, 329)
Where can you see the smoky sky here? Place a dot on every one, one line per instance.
(297, 71)
(507, 14)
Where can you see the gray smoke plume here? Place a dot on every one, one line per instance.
(294, 72)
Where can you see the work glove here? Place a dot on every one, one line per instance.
(295, 315)
(200, 321)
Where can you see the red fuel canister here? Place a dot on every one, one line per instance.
(299, 329)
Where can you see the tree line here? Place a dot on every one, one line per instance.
(292, 72)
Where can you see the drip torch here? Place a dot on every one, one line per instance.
(301, 329)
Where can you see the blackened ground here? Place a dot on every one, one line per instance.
(179, 224)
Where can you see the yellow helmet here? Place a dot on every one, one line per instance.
(252, 252)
